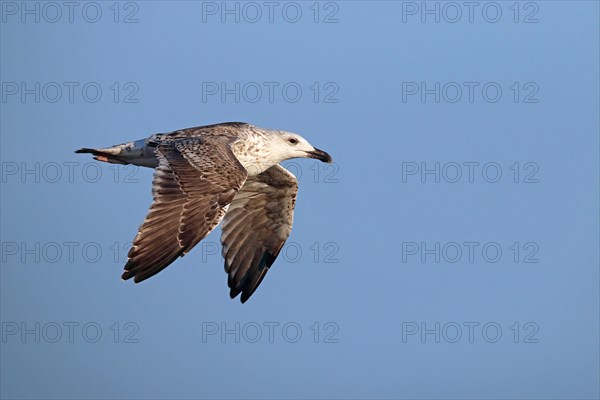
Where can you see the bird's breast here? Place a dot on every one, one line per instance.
(253, 157)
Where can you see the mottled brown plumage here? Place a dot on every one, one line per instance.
(206, 174)
(256, 226)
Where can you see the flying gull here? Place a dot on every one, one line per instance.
(206, 174)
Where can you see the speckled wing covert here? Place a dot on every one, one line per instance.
(257, 224)
(195, 180)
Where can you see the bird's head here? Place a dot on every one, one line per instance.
(291, 145)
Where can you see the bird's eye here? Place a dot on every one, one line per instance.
(293, 140)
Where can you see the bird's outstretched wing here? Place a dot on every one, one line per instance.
(194, 182)
(255, 227)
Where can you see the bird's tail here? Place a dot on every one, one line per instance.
(136, 153)
(103, 155)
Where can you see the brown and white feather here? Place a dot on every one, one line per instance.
(256, 226)
(194, 182)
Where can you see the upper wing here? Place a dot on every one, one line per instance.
(194, 182)
(256, 226)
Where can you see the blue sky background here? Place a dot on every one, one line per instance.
(371, 287)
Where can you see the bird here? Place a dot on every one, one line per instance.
(227, 172)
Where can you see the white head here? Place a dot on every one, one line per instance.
(286, 145)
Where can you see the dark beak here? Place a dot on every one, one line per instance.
(320, 155)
